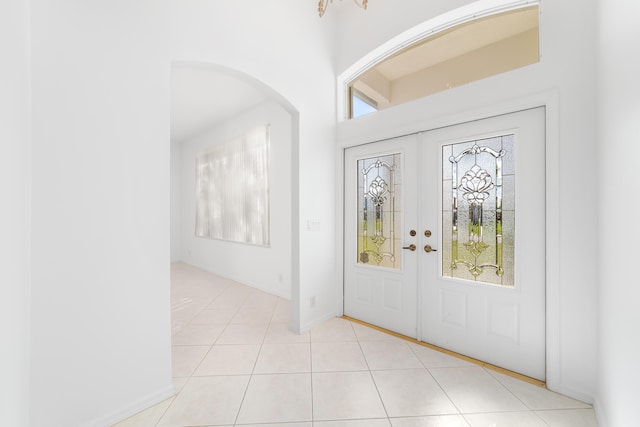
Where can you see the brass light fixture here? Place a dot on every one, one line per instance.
(322, 5)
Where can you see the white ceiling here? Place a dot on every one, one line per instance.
(202, 98)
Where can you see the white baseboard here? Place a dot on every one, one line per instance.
(138, 406)
(569, 392)
(600, 413)
(315, 322)
(285, 295)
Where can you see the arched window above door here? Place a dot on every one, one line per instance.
(447, 57)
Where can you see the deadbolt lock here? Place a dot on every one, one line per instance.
(427, 233)
(412, 233)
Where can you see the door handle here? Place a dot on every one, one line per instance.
(411, 247)
(428, 248)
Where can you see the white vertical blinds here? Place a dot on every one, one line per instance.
(232, 185)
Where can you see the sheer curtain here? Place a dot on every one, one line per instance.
(232, 185)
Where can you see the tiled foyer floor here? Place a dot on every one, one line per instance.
(236, 364)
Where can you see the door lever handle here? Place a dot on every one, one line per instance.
(428, 248)
(411, 247)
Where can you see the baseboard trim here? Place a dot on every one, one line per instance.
(600, 413)
(130, 410)
(308, 326)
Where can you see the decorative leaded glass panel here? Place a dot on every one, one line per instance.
(379, 208)
(478, 210)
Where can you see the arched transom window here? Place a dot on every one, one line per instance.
(454, 56)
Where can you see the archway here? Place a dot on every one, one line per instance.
(209, 104)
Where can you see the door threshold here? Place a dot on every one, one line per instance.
(452, 353)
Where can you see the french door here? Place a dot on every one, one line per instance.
(381, 280)
(445, 238)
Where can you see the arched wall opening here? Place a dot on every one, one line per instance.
(210, 105)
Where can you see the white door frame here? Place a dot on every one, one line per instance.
(550, 101)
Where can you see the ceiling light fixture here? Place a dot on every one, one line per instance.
(322, 5)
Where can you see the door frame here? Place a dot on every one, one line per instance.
(550, 101)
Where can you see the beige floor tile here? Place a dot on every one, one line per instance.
(177, 326)
(389, 355)
(197, 335)
(475, 390)
(337, 356)
(282, 313)
(185, 359)
(178, 383)
(280, 333)
(378, 422)
(437, 359)
(361, 377)
(284, 358)
(332, 330)
(184, 310)
(345, 395)
(411, 392)
(248, 314)
(243, 334)
(277, 398)
(569, 418)
(431, 421)
(228, 300)
(538, 397)
(505, 419)
(229, 360)
(308, 424)
(206, 401)
(257, 298)
(212, 316)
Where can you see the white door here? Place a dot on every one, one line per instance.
(381, 208)
(483, 202)
(471, 199)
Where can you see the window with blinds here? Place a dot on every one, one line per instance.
(232, 189)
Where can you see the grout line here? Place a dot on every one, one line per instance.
(173, 399)
(375, 384)
(311, 373)
(453, 353)
(251, 375)
(311, 379)
(506, 387)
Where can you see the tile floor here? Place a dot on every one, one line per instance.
(236, 364)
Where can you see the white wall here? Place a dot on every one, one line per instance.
(176, 202)
(100, 336)
(100, 339)
(287, 48)
(14, 214)
(267, 268)
(566, 71)
(619, 205)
